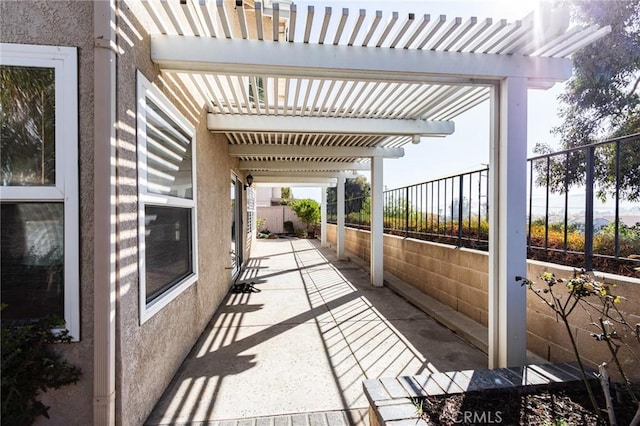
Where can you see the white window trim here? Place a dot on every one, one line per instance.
(147, 89)
(65, 62)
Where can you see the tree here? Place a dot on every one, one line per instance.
(601, 101)
(356, 190)
(307, 210)
(602, 98)
(286, 195)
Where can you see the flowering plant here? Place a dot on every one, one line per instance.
(585, 291)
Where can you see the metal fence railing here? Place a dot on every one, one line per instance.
(583, 208)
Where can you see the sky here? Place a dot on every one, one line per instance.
(468, 147)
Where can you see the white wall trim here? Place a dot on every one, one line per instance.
(65, 62)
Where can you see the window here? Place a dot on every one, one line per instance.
(166, 209)
(39, 269)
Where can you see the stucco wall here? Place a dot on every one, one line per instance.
(41, 23)
(459, 278)
(150, 354)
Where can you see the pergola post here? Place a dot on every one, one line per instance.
(507, 224)
(340, 220)
(377, 223)
(323, 218)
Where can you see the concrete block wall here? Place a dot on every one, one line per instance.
(358, 243)
(548, 337)
(459, 279)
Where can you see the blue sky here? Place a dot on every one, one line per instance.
(468, 147)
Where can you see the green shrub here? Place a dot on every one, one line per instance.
(628, 238)
(30, 366)
(307, 210)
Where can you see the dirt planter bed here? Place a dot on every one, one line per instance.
(396, 401)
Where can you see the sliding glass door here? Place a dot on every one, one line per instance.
(236, 227)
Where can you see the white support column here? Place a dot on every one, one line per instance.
(377, 223)
(507, 224)
(323, 218)
(340, 221)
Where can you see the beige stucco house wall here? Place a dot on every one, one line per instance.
(148, 354)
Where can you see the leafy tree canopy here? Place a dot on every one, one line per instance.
(357, 187)
(286, 194)
(602, 98)
(601, 101)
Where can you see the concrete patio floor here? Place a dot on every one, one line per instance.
(311, 329)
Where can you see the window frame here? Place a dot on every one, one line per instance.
(64, 61)
(145, 89)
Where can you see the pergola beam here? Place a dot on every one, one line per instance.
(328, 125)
(298, 181)
(302, 174)
(303, 165)
(251, 57)
(311, 151)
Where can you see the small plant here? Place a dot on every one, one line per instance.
(301, 233)
(601, 304)
(261, 225)
(419, 404)
(30, 366)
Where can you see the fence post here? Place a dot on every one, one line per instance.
(617, 233)
(406, 212)
(546, 207)
(566, 203)
(530, 203)
(460, 195)
(588, 216)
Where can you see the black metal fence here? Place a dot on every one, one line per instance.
(583, 208)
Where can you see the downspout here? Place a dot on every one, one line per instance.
(104, 245)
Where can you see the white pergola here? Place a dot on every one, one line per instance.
(309, 96)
